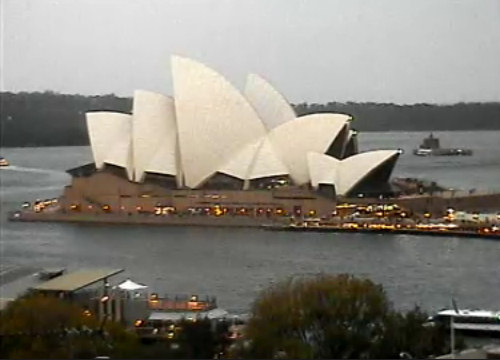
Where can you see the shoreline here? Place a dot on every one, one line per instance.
(239, 221)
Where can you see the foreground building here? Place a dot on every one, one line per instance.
(212, 150)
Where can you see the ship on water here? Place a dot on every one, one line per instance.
(471, 322)
(3, 162)
(431, 147)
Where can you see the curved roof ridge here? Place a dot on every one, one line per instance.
(272, 106)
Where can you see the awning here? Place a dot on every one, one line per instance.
(77, 280)
(131, 285)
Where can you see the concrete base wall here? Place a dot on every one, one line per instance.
(104, 192)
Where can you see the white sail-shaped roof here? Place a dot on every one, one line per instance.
(110, 136)
(256, 160)
(293, 140)
(345, 174)
(154, 134)
(267, 162)
(240, 163)
(272, 107)
(214, 120)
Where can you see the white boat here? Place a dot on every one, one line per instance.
(476, 322)
(3, 162)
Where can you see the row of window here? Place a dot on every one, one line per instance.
(216, 210)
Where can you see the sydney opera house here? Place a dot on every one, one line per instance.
(213, 150)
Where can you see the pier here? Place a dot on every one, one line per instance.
(350, 227)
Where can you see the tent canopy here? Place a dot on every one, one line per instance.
(130, 285)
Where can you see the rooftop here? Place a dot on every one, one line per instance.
(77, 280)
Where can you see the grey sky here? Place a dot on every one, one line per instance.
(316, 51)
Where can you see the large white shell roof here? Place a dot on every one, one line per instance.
(211, 127)
(214, 120)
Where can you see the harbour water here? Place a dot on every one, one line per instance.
(234, 264)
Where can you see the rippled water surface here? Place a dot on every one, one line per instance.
(234, 264)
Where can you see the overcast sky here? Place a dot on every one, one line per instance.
(439, 51)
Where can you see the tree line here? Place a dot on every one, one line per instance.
(53, 119)
(309, 317)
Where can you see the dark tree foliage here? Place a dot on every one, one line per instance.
(417, 117)
(43, 327)
(51, 119)
(340, 317)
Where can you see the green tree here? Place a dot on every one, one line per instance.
(330, 317)
(46, 327)
(192, 340)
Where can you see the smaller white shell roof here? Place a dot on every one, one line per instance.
(293, 140)
(347, 173)
(154, 134)
(111, 139)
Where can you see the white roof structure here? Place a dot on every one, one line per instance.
(110, 139)
(154, 135)
(293, 140)
(214, 120)
(267, 162)
(272, 107)
(130, 285)
(211, 127)
(345, 174)
(257, 160)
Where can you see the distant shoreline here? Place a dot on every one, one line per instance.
(365, 131)
(43, 119)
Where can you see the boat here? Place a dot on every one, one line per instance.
(431, 147)
(3, 162)
(471, 322)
